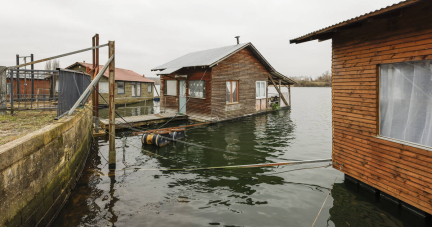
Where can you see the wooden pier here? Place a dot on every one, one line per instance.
(143, 120)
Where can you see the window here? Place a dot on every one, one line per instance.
(150, 87)
(8, 88)
(133, 89)
(120, 87)
(232, 91)
(103, 87)
(170, 87)
(136, 89)
(260, 89)
(197, 88)
(405, 102)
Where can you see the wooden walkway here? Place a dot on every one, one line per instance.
(143, 120)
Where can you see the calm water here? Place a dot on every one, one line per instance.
(140, 194)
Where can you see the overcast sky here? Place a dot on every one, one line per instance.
(150, 33)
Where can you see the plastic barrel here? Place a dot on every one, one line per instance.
(154, 139)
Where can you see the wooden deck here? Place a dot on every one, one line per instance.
(143, 120)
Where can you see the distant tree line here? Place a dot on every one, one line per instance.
(322, 81)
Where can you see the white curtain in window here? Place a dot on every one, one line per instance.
(171, 87)
(260, 87)
(133, 90)
(138, 89)
(406, 102)
(197, 88)
(103, 87)
(228, 91)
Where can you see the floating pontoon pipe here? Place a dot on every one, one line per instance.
(239, 166)
(89, 89)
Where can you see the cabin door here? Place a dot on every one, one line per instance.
(182, 96)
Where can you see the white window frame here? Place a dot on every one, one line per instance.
(124, 87)
(203, 91)
(133, 89)
(8, 88)
(258, 90)
(379, 129)
(171, 92)
(103, 87)
(150, 87)
(138, 89)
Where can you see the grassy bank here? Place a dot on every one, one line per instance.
(15, 126)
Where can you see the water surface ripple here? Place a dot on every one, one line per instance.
(270, 196)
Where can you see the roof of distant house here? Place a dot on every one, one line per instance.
(327, 33)
(120, 74)
(212, 57)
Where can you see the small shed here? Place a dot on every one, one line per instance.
(382, 100)
(130, 86)
(221, 83)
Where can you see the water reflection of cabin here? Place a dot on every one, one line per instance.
(221, 83)
(382, 100)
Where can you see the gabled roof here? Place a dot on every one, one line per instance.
(120, 74)
(211, 57)
(327, 33)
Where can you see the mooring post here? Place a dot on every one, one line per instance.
(94, 93)
(32, 80)
(96, 72)
(95, 65)
(289, 94)
(111, 104)
(3, 90)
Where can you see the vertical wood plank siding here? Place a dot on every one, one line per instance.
(244, 67)
(402, 171)
(194, 105)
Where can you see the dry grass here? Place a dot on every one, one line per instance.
(20, 124)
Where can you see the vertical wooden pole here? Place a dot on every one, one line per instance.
(111, 104)
(96, 72)
(93, 95)
(289, 94)
(281, 94)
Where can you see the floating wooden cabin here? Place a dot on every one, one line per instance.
(221, 83)
(382, 100)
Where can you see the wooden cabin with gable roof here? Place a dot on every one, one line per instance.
(382, 101)
(221, 83)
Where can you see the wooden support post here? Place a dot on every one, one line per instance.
(95, 73)
(289, 94)
(154, 85)
(111, 104)
(280, 93)
(95, 69)
(280, 82)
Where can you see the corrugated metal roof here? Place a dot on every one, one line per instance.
(310, 36)
(214, 56)
(168, 71)
(201, 58)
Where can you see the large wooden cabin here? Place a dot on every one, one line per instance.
(220, 84)
(382, 100)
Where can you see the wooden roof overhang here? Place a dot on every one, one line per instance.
(328, 32)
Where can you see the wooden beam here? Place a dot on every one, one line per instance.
(280, 93)
(154, 85)
(111, 103)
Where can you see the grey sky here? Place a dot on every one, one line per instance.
(150, 33)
